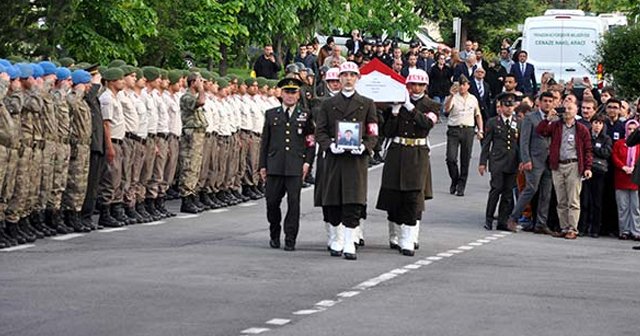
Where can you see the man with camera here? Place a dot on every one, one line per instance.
(266, 65)
(570, 159)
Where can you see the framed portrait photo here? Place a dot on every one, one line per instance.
(348, 135)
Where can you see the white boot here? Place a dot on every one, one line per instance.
(394, 229)
(331, 234)
(416, 233)
(349, 250)
(407, 236)
(337, 244)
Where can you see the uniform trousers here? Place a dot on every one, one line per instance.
(17, 205)
(110, 187)
(128, 149)
(459, 139)
(501, 189)
(60, 175)
(97, 163)
(238, 151)
(223, 162)
(173, 151)
(4, 161)
(191, 145)
(46, 176)
(214, 165)
(146, 172)
(35, 170)
(401, 206)
(255, 158)
(347, 214)
(232, 163)
(77, 180)
(276, 187)
(245, 173)
(136, 190)
(153, 188)
(207, 154)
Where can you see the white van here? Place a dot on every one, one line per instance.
(563, 43)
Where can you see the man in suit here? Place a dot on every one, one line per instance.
(467, 69)
(525, 75)
(355, 43)
(344, 176)
(287, 150)
(500, 148)
(481, 90)
(534, 152)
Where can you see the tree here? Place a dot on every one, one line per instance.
(620, 65)
(108, 29)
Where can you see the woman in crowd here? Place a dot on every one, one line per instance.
(624, 160)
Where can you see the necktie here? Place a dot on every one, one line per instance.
(507, 122)
(522, 67)
(480, 89)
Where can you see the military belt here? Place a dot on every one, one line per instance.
(116, 141)
(151, 135)
(133, 137)
(410, 141)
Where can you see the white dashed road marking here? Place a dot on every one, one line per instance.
(67, 236)
(17, 248)
(113, 230)
(368, 284)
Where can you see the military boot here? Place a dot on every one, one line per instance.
(25, 230)
(73, 221)
(57, 222)
(206, 201)
(11, 230)
(220, 199)
(239, 196)
(117, 212)
(188, 206)
(5, 237)
(150, 206)
(196, 201)
(132, 213)
(27, 227)
(143, 212)
(216, 202)
(106, 219)
(37, 226)
(160, 205)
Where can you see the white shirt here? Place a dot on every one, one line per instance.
(208, 114)
(143, 120)
(463, 110)
(163, 113)
(172, 102)
(129, 111)
(152, 111)
(112, 111)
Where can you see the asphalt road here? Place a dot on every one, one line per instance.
(214, 274)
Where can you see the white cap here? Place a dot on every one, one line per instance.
(418, 76)
(332, 74)
(349, 67)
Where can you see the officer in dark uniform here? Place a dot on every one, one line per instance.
(406, 173)
(287, 150)
(344, 176)
(500, 148)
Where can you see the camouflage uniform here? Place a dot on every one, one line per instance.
(191, 143)
(80, 141)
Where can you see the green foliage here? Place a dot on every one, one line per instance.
(108, 29)
(620, 64)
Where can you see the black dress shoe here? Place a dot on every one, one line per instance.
(452, 188)
(274, 243)
(289, 247)
(408, 253)
(335, 253)
(488, 226)
(393, 246)
(459, 193)
(594, 235)
(636, 247)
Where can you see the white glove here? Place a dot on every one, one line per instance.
(395, 109)
(335, 150)
(407, 102)
(358, 151)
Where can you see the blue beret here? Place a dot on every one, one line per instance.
(2, 68)
(25, 69)
(5, 62)
(48, 67)
(80, 77)
(37, 70)
(63, 73)
(13, 72)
